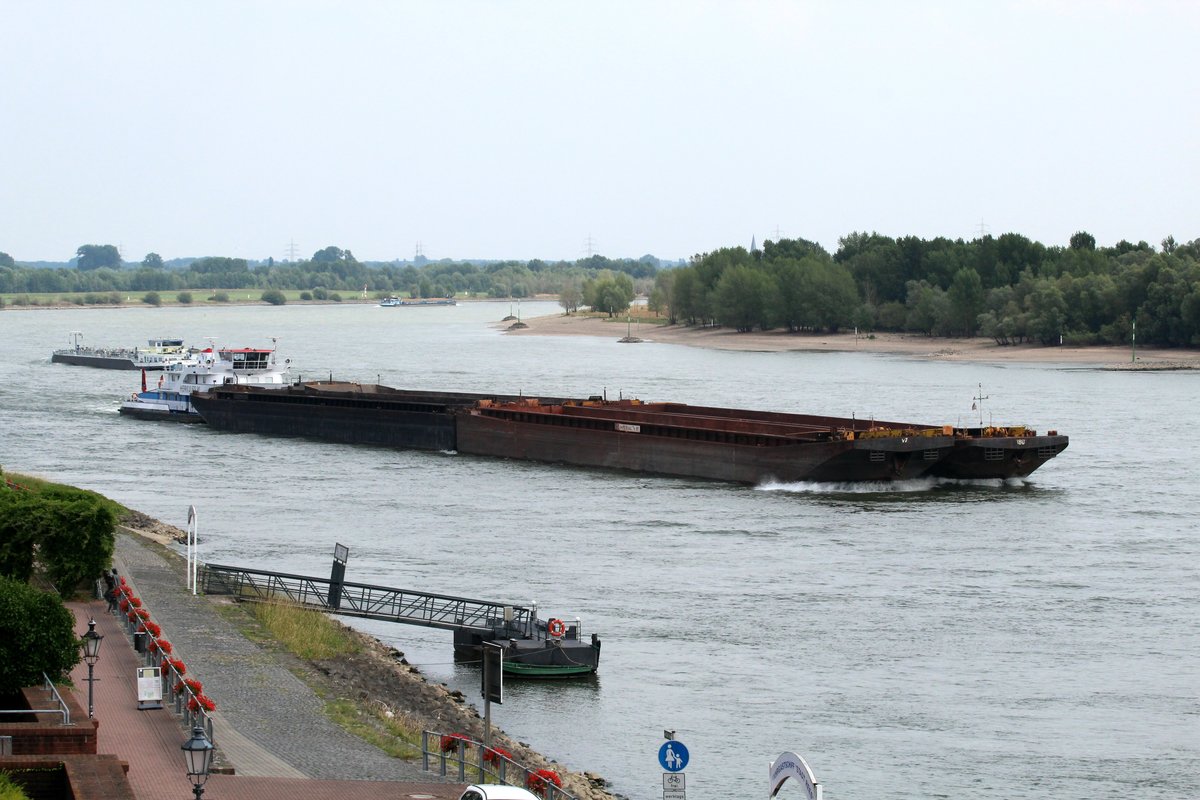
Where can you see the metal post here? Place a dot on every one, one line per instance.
(91, 706)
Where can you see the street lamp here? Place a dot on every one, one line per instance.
(198, 751)
(91, 653)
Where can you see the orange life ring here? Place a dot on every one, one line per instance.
(556, 628)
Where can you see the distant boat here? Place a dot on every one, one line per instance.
(171, 400)
(391, 302)
(158, 354)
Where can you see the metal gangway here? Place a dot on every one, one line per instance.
(371, 602)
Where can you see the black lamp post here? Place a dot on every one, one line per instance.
(198, 751)
(91, 653)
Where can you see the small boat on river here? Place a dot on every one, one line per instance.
(393, 302)
(171, 399)
(158, 354)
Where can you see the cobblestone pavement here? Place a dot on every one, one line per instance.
(268, 722)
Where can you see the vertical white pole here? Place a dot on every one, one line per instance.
(192, 545)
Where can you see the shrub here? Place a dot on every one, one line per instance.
(36, 635)
(152, 299)
(220, 297)
(274, 297)
(184, 297)
(72, 530)
(335, 297)
(306, 296)
(320, 293)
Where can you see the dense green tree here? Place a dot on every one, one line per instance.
(152, 261)
(70, 532)
(6, 260)
(966, 302)
(743, 296)
(95, 256)
(610, 292)
(1082, 240)
(571, 295)
(37, 635)
(274, 297)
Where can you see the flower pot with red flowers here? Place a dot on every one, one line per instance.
(536, 781)
(201, 701)
(493, 755)
(452, 742)
(196, 686)
(177, 665)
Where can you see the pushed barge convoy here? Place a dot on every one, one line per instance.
(724, 444)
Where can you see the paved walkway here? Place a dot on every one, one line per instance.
(268, 726)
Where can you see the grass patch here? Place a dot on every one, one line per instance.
(394, 734)
(311, 635)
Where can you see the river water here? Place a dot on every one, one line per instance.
(1026, 639)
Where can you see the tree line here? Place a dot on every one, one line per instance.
(99, 271)
(1009, 288)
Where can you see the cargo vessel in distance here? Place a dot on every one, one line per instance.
(673, 439)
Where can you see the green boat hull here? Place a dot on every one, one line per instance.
(518, 670)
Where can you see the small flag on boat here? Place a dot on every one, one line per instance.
(143, 380)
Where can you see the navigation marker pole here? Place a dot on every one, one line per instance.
(979, 405)
(193, 548)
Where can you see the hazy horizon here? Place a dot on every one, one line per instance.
(529, 130)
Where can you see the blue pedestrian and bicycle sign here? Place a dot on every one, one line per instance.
(673, 756)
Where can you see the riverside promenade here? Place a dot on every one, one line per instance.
(269, 726)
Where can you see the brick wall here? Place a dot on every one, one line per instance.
(44, 734)
(74, 777)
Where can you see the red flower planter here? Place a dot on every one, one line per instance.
(536, 782)
(451, 742)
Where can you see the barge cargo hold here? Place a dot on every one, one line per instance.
(673, 439)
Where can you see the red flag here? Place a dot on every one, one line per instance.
(143, 380)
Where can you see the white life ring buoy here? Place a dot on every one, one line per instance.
(556, 628)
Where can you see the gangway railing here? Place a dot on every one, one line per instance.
(369, 601)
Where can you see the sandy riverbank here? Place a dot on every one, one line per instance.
(921, 347)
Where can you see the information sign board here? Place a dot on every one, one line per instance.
(149, 687)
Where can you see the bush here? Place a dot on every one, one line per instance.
(306, 296)
(36, 635)
(274, 297)
(335, 297)
(184, 297)
(220, 297)
(320, 293)
(72, 532)
(152, 299)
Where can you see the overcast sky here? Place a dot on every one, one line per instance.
(551, 130)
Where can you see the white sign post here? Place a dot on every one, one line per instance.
(791, 765)
(193, 555)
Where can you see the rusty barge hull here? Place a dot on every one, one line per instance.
(672, 439)
(649, 439)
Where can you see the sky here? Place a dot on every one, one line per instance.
(556, 130)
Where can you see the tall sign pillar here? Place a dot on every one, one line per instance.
(341, 554)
